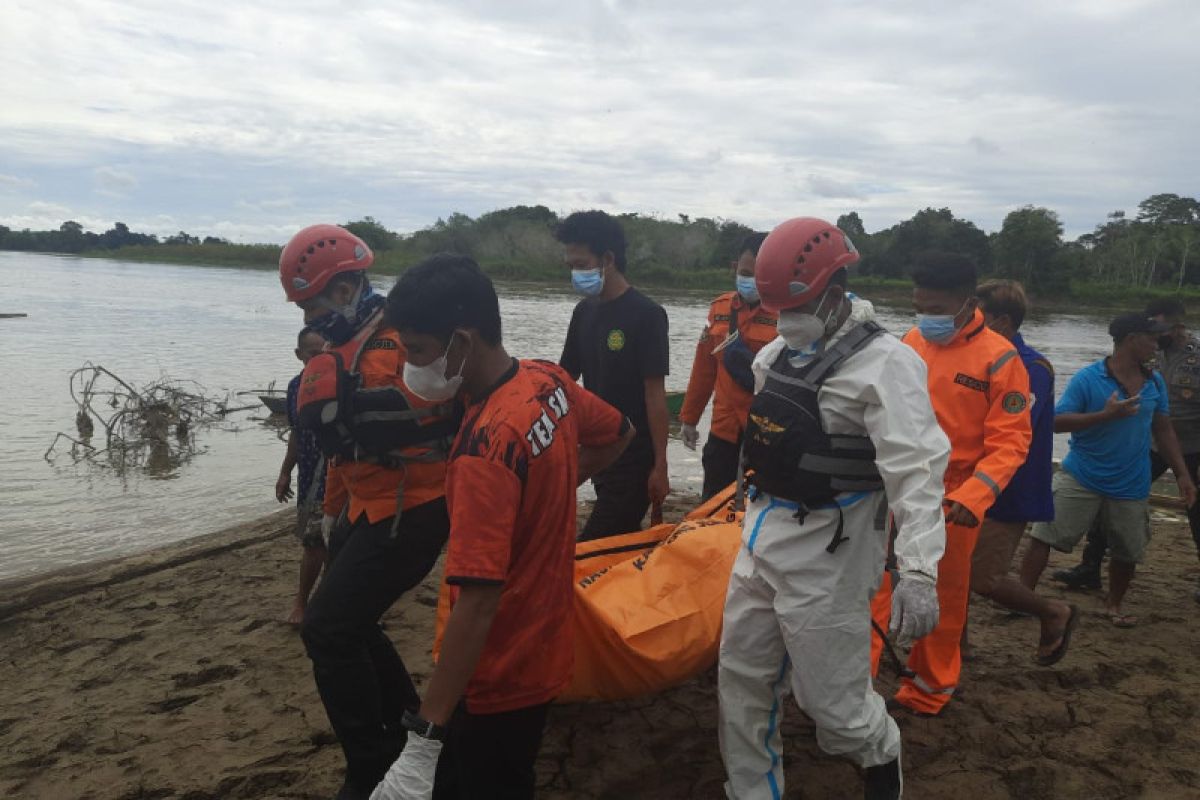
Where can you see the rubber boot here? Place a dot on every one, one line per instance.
(1086, 575)
(1083, 575)
(884, 782)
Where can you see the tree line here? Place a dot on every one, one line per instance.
(1155, 248)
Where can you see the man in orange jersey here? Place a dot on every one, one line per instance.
(980, 394)
(737, 328)
(386, 481)
(530, 436)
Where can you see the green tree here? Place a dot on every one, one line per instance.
(183, 238)
(1027, 246)
(71, 238)
(929, 229)
(373, 233)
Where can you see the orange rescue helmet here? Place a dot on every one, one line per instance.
(797, 259)
(316, 254)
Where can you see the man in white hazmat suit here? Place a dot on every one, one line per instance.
(840, 417)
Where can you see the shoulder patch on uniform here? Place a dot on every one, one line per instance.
(1014, 403)
(380, 344)
(971, 383)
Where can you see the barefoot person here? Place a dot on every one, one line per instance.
(302, 452)
(529, 436)
(842, 414)
(386, 483)
(980, 393)
(1113, 409)
(1027, 498)
(737, 328)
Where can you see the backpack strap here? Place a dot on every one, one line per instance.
(359, 342)
(848, 345)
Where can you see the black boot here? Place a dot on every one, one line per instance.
(883, 782)
(1082, 576)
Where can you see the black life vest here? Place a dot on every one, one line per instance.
(787, 452)
(386, 425)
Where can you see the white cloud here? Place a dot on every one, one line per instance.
(13, 183)
(114, 182)
(268, 112)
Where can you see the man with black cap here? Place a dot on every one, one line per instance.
(1179, 361)
(1112, 409)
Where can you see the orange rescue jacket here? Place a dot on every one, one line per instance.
(371, 488)
(980, 393)
(709, 378)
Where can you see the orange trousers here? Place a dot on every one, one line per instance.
(935, 659)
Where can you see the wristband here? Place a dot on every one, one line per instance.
(423, 727)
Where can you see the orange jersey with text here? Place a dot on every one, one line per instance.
(980, 393)
(709, 378)
(372, 489)
(510, 489)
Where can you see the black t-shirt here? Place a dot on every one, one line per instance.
(615, 346)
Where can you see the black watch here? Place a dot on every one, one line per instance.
(423, 727)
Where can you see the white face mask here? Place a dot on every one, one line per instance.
(800, 330)
(430, 382)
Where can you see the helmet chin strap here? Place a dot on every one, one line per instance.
(349, 311)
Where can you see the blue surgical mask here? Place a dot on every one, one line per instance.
(938, 328)
(747, 289)
(588, 282)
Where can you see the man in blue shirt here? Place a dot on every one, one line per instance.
(302, 452)
(1113, 409)
(1027, 498)
(1179, 362)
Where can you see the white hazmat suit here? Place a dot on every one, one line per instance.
(794, 610)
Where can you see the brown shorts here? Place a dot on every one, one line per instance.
(998, 542)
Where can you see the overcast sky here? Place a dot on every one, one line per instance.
(252, 119)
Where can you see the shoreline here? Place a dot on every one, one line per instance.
(1085, 297)
(167, 675)
(27, 592)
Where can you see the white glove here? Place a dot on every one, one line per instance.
(327, 523)
(914, 607)
(690, 436)
(411, 776)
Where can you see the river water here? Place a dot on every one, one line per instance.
(230, 330)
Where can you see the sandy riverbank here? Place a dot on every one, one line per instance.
(170, 678)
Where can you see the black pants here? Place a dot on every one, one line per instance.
(360, 676)
(621, 493)
(720, 461)
(490, 755)
(1097, 542)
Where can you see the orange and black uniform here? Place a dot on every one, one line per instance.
(513, 472)
(363, 683)
(980, 394)
(731, 391)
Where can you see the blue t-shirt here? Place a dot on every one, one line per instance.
(1112, 458)
(1028, 497)
(308, 455)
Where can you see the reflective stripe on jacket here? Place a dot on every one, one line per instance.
(980, 393)
(709, 378)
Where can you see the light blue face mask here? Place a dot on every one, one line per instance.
(747, 289)
(588, 282)
(938, 328)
